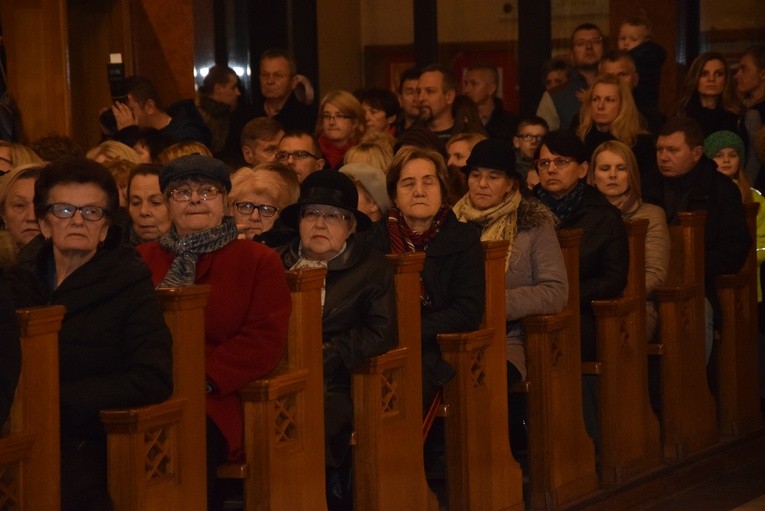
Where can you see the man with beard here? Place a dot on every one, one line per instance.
(559, 106)
(436, 90)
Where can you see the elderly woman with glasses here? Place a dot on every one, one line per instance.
(358, 302)
(603, 251)
(257, 198)
(249, 305)
(114, 346)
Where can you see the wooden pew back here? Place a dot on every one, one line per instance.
(630, 442)
(30, 454)
(737, 362)
(562, 455)
(284, 414)
(481, 472)
(156, 454)
(689, 411)
(387, 398)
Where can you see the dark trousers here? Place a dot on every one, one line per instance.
(83, 475)
(217, 455)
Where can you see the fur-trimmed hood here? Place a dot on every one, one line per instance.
(532, 213)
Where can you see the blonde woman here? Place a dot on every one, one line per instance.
(179, 149)
(113, 150)
(374, 154)
(613, 171)
(340, 125)
(15, 155)
(608, 112)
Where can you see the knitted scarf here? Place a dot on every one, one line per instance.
(626, 203)
(404, 239)
(565, 207)
(498, 223)
(187, 250)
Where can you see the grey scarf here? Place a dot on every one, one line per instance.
(187, 250)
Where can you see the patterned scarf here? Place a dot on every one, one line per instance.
(499, 222)
(565, 207)
(404, 239)
(187, 249)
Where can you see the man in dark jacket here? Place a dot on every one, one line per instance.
(278, 79)
(480, 85)
(687, 181)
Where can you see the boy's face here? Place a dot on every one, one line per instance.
(631, 36)
(528, 138)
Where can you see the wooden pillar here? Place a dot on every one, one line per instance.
(425, 32)
(163, 46)
(534, 36)
(35, 36)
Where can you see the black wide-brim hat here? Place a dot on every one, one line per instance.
(492, 153)
(329, 188)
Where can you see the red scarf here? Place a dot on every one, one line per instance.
(332, 153)
(404, 239)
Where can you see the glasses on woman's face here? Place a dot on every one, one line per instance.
(247, 208)
(63, 210)
(204, 192)
(561, 163)
(334, 117)
(331, 217)
(298, 155)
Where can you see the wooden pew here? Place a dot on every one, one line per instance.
(388, 462)
(481, 471)
(562, 455)
(30, 469)
(284, 415)
(156, 453)
(737, 364)
(689, 411)
(629, 429)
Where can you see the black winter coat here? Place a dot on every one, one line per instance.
(603, 259)
(114, 346)
(726, 238)
(358, 322)
(454, 278)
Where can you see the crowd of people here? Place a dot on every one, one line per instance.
(216, 192)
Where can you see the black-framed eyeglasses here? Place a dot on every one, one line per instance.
(204, 192)
(64, 210)
(331, 217)
(561, 162)
(526, 137)
(298, 155)
(247, 208)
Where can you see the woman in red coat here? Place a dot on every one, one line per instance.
(249, 306)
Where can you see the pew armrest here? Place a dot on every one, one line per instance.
(139, 419)
(274, 386)
(465, 341)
